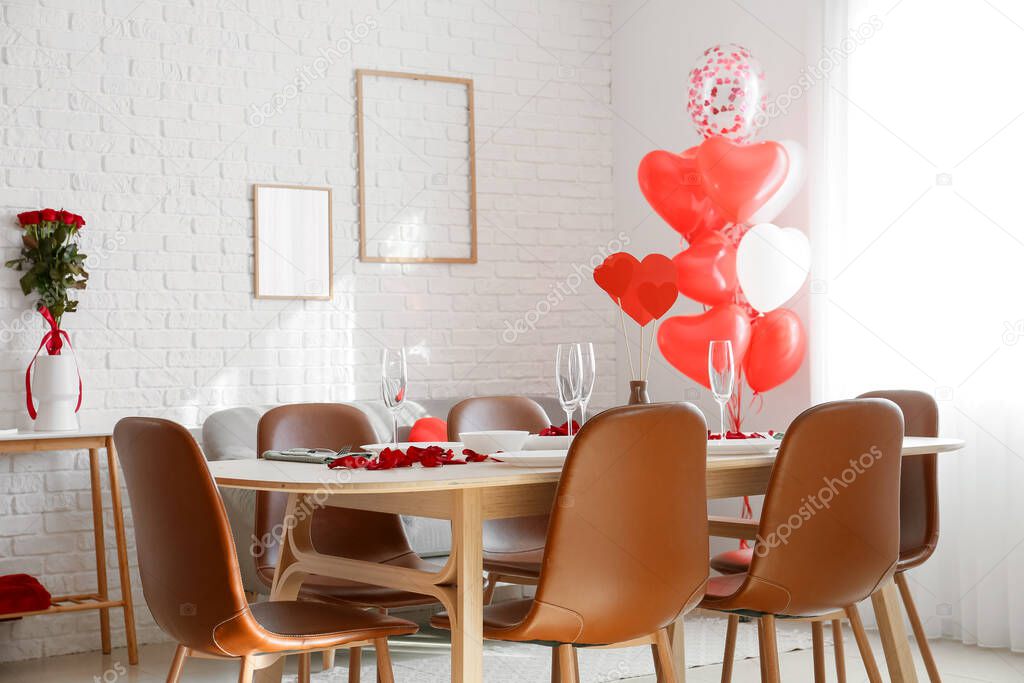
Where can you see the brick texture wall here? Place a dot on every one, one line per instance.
(153, 120)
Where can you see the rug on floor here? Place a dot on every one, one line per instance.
(425, 658)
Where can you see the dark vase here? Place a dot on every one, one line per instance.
(638, 392)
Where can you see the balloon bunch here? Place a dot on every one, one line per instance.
(720, 196)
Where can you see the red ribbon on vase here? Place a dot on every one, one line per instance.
(54, 341)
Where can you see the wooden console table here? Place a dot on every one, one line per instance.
(93, 440)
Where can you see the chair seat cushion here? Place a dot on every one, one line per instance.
(724, 586)
(525, 565)
(498, 617)
(299, 625)
(733, 561)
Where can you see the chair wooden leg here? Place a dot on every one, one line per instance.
(837, 644)
(246, 670)
(556, 676)
(177, 663)
(870, 665)
(568, 669)
(918, 628)
(663, 656)
(818, 638)
(492, 583)
(304, 668)
(730, 647)
(328, 660)
(355, 664)
(761, 654)
(771, 649)
(385, 673)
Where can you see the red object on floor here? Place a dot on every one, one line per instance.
(22, 593)
(429, 429)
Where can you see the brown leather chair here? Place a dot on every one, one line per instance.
(190, 574)
(626, 551)
(919, 516)
(369, 536)
(813, 556)
(512, 547)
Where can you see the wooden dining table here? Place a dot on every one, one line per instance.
(467, 495)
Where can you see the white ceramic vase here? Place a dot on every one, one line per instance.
(55, 389)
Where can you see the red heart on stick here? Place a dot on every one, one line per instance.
(706, 271)
(777, 347)
(657, 299)
(671, 184)
(684, 339)
(654, 271)
(615, 274)
(740, 179)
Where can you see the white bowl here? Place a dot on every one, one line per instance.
(536, 442)
(490, 442)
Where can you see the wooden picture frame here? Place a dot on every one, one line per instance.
(364, 254)
(270, 285)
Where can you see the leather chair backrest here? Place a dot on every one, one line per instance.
(186, 556)
(627, 547)
(829, 531)
(372, 536)
(521, 534)
(919, 487)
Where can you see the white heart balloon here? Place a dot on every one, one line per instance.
(772, 264)
(795, 177)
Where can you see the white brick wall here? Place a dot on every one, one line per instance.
(140, 117)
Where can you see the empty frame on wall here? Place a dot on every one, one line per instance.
(417, 168)
(294, 253)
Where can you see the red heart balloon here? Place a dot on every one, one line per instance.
(741, 178)
(706, 271)
(777, 346)
(671, 184)
(655, 270)
(684, 339)
(615, 274)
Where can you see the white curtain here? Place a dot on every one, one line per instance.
(919, 281)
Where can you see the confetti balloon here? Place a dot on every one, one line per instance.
(726, 93)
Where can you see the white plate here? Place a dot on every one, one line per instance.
(742, 446)
(533, 458)
(536, 442)
(378, 447)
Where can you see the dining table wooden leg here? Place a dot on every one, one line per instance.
(124, 573)
(467, 625)
(895, 642)
(100, 546)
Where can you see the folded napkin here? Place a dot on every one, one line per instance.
(317, 456)
(22, 593)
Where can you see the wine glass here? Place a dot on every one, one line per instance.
(393, 380)
(589, 363)
(569, 379)
(721, 369)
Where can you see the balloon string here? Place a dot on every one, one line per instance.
(625, 337)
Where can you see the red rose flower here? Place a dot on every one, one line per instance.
(66, 217)
(78, 220)
(28, 218)
(48, 214)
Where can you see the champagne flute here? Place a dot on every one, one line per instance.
(589, 364)
(569, 379)
(721, 370)
(393, 380)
